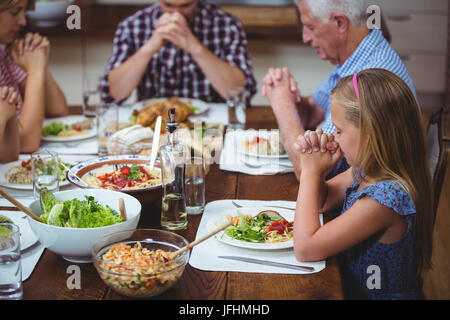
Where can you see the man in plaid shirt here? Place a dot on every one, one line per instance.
(178, 48)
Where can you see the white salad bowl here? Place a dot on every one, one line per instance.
(75, 244)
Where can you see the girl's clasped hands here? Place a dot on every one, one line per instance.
(319, 152)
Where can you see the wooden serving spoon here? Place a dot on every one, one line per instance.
(19, 205)
(123, 212)
(196, 242)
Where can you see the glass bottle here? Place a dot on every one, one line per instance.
(173, 158)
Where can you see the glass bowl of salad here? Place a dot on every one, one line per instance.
(139, 263)
(73, 220)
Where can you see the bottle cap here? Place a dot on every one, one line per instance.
(172, 125)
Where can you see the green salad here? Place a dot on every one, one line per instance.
(251, 230)
(76, 213)
(53, 129)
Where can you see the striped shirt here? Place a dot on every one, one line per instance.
(373, 52)
(11, 74)
(173, 72)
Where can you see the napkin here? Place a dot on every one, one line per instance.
(234, 158)
(204, 256)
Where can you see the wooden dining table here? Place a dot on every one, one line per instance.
(50, 278)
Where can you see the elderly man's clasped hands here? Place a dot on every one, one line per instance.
(319, 152)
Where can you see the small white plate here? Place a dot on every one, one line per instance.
(199, 105)
(4, 168)
(27, 236)
(69, 120)
(221, 218)
(248, 135)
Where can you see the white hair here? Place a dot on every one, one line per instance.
(354, 10)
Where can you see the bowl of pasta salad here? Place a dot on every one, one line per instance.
(138, 263)
(124, 173)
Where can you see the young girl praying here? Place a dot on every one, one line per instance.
(383, 231)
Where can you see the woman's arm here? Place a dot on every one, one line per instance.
(55, 100)
(33, 111)
(9, 132)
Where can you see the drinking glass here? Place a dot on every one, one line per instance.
(45, 171)
(194, 185)
(10, 264)
(107, 124)
(236, 108)
(91, 95)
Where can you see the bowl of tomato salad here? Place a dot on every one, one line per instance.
(125, 173)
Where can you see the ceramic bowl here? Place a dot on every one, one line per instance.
(75, 244)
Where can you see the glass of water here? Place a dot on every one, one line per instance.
(10, 264)
(91, 95)
(45, 171)
(194, 185)
(236, 108)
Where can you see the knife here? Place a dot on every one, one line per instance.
(269, 263)
(155, 143)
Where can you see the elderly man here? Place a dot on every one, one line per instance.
(337, 31)
(179, 48)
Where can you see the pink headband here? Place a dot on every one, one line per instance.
(355, 85)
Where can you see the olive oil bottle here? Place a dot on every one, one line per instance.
(173, 158)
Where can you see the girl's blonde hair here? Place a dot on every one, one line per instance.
(6, 4)
(392, 144)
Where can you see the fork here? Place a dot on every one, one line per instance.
(259, 165)
(280, 207)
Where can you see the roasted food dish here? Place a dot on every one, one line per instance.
(147, 116)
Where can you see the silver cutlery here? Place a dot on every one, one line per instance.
(269, 263)
(279, 207)
(259, 164)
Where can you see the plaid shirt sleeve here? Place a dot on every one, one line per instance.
(123, 48)
(235, 53)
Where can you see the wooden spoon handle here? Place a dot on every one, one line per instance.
(196, 242)
(123, 213)
(19, 205)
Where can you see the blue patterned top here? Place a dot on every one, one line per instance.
(373, 52)
(393, 263)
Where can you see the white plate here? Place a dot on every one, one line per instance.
(200, 105)
(221, 218)
(27, 236)
(248, 135)
(4, 168)
(68, 120)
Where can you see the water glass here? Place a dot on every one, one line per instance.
(107, 124)
(236, 108)
(45, 171)
(194, 185)
(10, 264)
(91, 95)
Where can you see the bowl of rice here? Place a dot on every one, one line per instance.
(138, 263)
